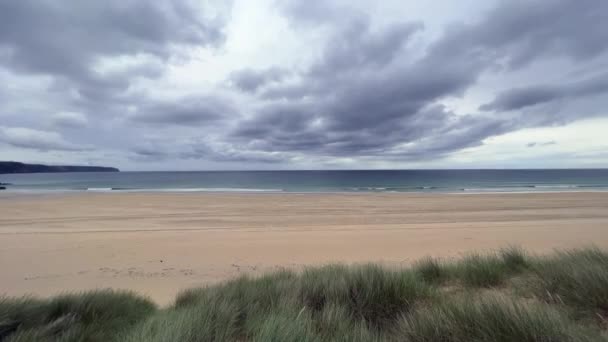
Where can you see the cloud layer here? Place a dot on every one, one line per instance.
(170, 82)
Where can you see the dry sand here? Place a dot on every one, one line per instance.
(157, 244)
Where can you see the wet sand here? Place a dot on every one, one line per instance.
(158, 244)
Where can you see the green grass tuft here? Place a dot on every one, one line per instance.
(578, 278)
(491, 319)
(370, 293)
(90, 316)
(284, 327)
(431, 270)
(209, 321)
(514, 258)
(478, 270)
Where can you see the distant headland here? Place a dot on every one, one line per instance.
(17, 167)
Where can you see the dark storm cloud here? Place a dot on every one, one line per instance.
(152, 153)
(520, 31)
(249, 80)
(199, 149)
(357, 46)
(65, 39)
(206, 152)
(359, 102)
(149, 153)
(518, 98)
(91, 53)
(367, 96)
(186, 111)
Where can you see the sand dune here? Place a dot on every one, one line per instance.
(158, 244)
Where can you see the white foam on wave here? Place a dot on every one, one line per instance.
(525, 188)
(367, 188)
(207, 190)
(529, 190)
(133, 190)
(509, 189)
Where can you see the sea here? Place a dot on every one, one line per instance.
(356, 181)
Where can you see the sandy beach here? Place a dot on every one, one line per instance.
(158, 244)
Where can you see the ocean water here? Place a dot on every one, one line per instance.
(453, 181)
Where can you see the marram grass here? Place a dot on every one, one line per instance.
(503, 296)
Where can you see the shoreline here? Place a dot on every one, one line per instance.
(159, 243)
(29, 193)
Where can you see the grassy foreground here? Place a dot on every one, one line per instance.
(503, 296)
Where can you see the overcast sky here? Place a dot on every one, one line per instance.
(305, 84)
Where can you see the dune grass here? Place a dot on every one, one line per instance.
(507, 295)
(91, 316)
(490, 318)
(577, 278)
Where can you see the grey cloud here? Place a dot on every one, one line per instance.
(44, 141)
(520, 31)
(357, 46)
(149, 153)
(185, 111)
(250, 80)
(367, 94)
(518, 98)
(545, 143)
(206, 151)
(515, 32)
(311, 13)
(69, 120)
(427, 134)
(366, 110)
(200, 149)
(66, 39)
(363, 98)
(295, 91)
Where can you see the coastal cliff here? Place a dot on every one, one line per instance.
(17, 167)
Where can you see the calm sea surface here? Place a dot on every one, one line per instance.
(316, 181)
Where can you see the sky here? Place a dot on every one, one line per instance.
(305, 84)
